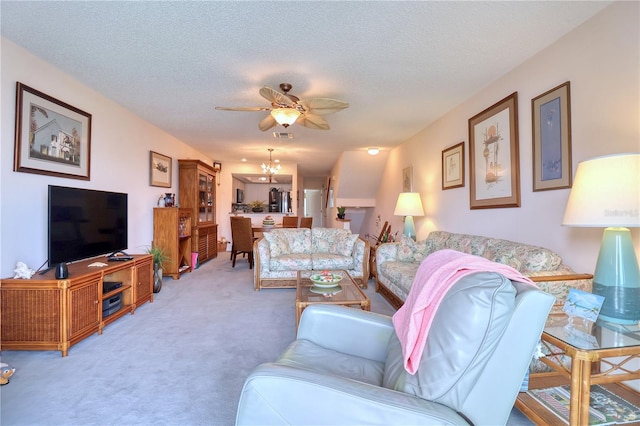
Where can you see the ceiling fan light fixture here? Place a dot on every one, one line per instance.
(285, 116)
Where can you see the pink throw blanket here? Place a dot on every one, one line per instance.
(436, 274)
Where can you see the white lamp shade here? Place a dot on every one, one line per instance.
(605, 193)
(285, 116)
(409, 204)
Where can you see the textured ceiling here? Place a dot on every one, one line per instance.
(400, 65)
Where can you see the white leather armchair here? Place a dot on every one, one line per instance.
(346, 365)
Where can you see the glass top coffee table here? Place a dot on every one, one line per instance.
(346, 292)
(582, 354)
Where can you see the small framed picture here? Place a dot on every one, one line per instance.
(453, 166)
(407, 179)
(583, 304)
(159, 170)
(551, 131)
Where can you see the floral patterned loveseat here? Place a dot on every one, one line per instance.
(397, 264)
(283, 252)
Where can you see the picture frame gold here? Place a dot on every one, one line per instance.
(551, 138)
(453, 166)
(52, 137)
(494, 174)
(160, 169)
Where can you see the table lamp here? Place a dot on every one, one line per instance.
(606, 193)
(409, 205)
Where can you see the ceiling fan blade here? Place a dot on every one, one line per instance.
(276, 97)
(267, 123)
(323, 106)
(313, 121)
(244, 109)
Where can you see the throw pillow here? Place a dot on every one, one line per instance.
(278, 244)
(343, 244)
(412, 251)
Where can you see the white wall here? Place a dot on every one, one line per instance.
(120, 145)
(601, 60)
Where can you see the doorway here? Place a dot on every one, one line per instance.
(313, 206)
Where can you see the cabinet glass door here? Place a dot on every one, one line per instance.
(203, 199)
(210, 198)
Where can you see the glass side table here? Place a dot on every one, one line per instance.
(602, 353)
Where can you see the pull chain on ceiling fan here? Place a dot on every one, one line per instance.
(287, 109)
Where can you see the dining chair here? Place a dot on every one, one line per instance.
(305, 222)
(290, 222)
(242, 239)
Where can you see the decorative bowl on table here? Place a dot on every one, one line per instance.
(268, 221)
(325, 279)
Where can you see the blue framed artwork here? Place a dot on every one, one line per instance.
(551, 127)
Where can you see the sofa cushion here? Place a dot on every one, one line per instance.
(329, 240)
(472, 317)
(278, 243)
(299, 240)
(343, 244)
(321, 261)
(291, 262)
(412, 251)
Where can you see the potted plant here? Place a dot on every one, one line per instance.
(158, 259)
(257, 206)
(341, 212)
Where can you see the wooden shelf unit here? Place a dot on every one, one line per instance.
(172, 228)
(44, 313)
(197, 191)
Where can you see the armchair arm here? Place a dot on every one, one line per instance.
(347, 330)
(281, 395)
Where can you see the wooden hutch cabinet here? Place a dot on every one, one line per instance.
(45, 313)
(172, 233)
(197, 191)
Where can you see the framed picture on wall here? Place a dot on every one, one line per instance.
(51, 137)
(551, 135)
(407, 179)
(453, 166)
(159, 170)
(494, 175)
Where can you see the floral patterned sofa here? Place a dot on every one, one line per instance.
(397, 263)
(283, 252)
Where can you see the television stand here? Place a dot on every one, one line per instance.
(46, 313)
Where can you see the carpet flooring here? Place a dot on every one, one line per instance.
(180, 360)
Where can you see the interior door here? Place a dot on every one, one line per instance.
(313, 206)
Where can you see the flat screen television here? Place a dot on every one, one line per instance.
(85, 223)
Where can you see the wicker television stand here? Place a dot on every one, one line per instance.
(45, 313)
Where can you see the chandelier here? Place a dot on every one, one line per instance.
(269, 170)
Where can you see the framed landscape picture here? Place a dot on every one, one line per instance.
(453, 166)
(51, 137)
(551, 131)
(494, 175)
(159, 170)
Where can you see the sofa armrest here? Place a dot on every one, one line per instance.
(558, 283)
(281, 395)
(360, 256)
(347, 330)
(386, 252)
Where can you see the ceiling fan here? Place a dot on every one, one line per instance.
(287, 109)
